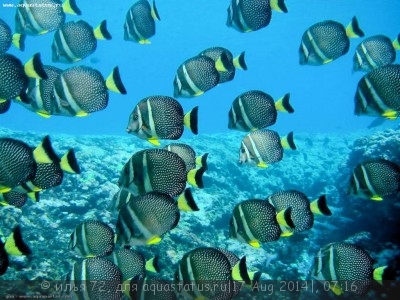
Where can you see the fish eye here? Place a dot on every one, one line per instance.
(242, 150)
(135, 117)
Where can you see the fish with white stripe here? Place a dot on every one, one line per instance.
(374, 52)
(256, 109)
(256, 221)
(326, 41)
(81, 90)
(339, 262)
(378, 93)
(161, 117)
(145, 219)
(375, 179)
(263, 147)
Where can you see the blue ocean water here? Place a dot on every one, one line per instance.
(330, 139)
(321, 96)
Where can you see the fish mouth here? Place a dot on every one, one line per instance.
(128, 130)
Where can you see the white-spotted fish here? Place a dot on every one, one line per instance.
(374, 52)
(74, 41)
(140, 22)
(188, 155)
(158, 170)
(255, 109)
(326, 41)
(161, 117)
(342, 265)
(233, 62)
(82, 90)
(14, 76)
(256, 221)
(92, 238)
(145, 219)
(198, 74)
(210, 265)
(378, 93)
(34, 17)
(263, 147)
(252, 15)
(375, 179)
(7, 38)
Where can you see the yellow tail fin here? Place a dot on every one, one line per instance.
(114, 82)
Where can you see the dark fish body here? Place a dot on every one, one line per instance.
(375, 178)
(326, 41)
(373, 52)
(302, 217)
(195, 76)
(343, 262)
(34, 17)
(145, 219)
(13, 79)
(120, 199)
(4, 262)
(40, 93)
(160, 117)
(17, 163)
(90, 272)
(254, 221)
(208, 265)
(92, 239)
(263, 147)
(14, 198)
(14, 76)
(79, 91)
(252, 15)
(378, 93)
(256, 110)
(131, 262)
(140, 22)
(74, 41)
(188, 155)
(7, 38)
(143, 291)
(215, 53)
(154, 170)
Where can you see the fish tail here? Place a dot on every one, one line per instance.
(222, 63)
(35, 196)
(320, 207)
(44, 153)
(255, 277)
(279, 5)
(154, 12)
(152, 265)
(186, 201)
(239, 271)
(114, 82)
(69, 163)
(34, 68)
(282, 104)
(239, 62)
(195, 177)
(101, 32)
(353, 30)
(383, 273)
(202, 161)
(287, 142)
(18, 40)
(284, 218)
(70, 7)
(15, 245)
(190, 120)
(396, 43)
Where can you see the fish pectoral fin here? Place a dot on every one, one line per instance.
(81, 114)
(43, 114)
(336, 289)
(144, 42)
(390, 114)
(376, 198)
(327, 61)
(4, 189)
(254, 244)
(286, 233)
(262, 165)
(154, 141)
(153, 240)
